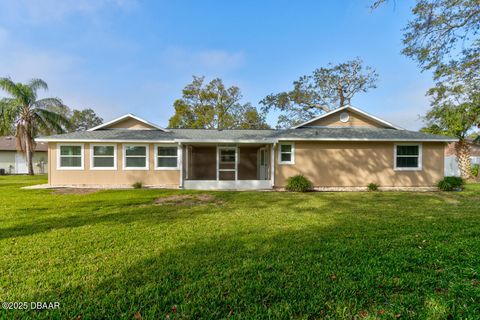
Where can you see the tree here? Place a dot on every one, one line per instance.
(443, 36)
(82, 120)
(28, 115)
(322, 91)
(455, 112)
(213, 106)
(79, 120)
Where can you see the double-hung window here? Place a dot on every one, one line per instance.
(135, 157)
(70, 157)
(166, 157)
(286, 153)
(103, 157)
(408, 157)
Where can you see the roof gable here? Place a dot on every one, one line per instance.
(128, 122)
(355, 118)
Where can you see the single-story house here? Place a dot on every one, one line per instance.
(14, 162)
(451, 162)
(345, 148)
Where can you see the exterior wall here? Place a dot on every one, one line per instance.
(355, 164)
(130, 123)
(355, 120)
(7, 159)
(118, 177)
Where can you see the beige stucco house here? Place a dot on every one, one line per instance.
(345, 148)
(13, 161)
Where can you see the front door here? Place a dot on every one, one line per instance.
(263, 164)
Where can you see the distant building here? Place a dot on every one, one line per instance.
(14, 162)
(451, 163)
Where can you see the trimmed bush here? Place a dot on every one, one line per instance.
(451, 184)
(372, 187)
(137, 185)
(299, 183)
(475, 169)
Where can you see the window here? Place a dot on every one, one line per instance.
(344, 117)
(286, 153)
(135, 157)
(227, 155)
(70, 157)
(103, 157)
(408, 157)
(166, 157)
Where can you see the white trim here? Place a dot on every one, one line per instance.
(171, 145)
(365, 139)
(272, 161)
(114, 156)
(237, 141)
(366, 114)
(180, 162)
(235, 169)
(292, 152)
(128, 115)
(82, 156)
(124, 156)
(420, 157)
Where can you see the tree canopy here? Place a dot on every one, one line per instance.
(443, 36)
(214, 106)
(26, 115)
(327, 88)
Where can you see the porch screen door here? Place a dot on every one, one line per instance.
(263, 164)
(227, 163)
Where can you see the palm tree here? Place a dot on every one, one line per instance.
(24, 115)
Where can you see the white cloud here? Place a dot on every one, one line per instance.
(35, 11)
(203, 61)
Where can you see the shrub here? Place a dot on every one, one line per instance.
(299, 183)
(137, 185)
(372, 187)
(475, 169)
(450, 184)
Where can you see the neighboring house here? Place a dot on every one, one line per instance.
(340, 149)
(451, 163)
(14, 162)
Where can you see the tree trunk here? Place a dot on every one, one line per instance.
(462, 150)
(28, 155)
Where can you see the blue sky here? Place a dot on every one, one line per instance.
(120, 56)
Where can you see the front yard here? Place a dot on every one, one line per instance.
(112, 254)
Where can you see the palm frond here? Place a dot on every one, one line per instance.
(46, 102)
(11, 87)
(36, 84)
(8, 113)
(53, 120)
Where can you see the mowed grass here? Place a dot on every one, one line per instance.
(246, 255)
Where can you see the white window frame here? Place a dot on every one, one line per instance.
(124, 156)
(292, 160)
(157, 156)
(420, 166)
(82, 155)
(103, 145)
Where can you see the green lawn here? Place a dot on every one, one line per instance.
(248, 255)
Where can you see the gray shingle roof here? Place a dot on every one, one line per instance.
(9, 143)
(324, 133)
